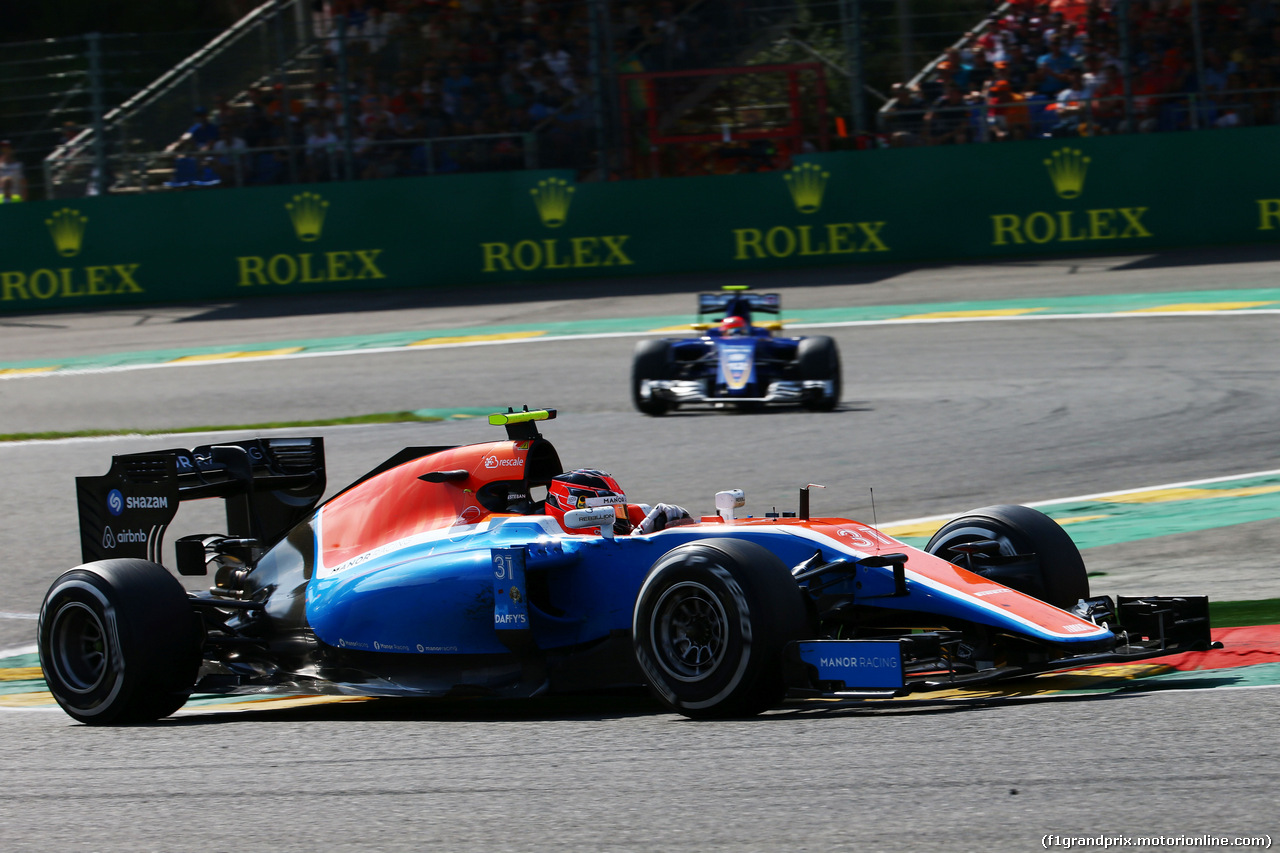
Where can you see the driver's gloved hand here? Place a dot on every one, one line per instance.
(663, 516)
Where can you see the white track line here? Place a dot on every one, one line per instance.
(1185, 484)
(838, 324)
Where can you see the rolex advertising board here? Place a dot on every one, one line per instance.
(1103, 195)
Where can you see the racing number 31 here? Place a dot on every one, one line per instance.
(504, 565)
(510, 607)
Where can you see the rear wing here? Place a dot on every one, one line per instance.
(269, 485)
(738, 304)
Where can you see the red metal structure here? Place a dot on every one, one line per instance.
(650, 109)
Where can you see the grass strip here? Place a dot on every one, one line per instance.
(382, 418)
(1237, 614)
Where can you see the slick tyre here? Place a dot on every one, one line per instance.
(119, 642)
(1053, 572)
(650, 362)
(818, 359)
(711, 623)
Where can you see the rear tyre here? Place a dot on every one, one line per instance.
(651, 361)
(1052, 571)
(711, 623)
(819, 359)
(119, 642)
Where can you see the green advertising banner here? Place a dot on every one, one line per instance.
(1103, 195)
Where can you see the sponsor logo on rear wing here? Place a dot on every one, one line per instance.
(125, 512)
(269, 484)
(719, 303)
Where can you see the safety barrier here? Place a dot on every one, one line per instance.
(1124, 194)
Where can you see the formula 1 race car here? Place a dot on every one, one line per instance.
(736, 362)
(441, 573)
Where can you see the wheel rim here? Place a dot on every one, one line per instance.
(79, 641)
(689, 631)
(967, 535)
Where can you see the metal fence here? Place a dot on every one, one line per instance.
(292, 61)
(242, 166)
(270, 44)
(52, 90)
(514, 85)
(1042, 118)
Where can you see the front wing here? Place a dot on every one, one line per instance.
(719, 377)
(1146, 627)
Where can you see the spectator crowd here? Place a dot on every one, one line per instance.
(480, 79)
(414, 87)
(1058, 69)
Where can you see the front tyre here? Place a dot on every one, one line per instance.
(711, 623)
(651, 361)
(119, 642)
(1019, 547)
(817, 358)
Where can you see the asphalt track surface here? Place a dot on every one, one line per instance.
(937, 419)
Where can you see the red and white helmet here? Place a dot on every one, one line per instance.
(733, 326)
(585, 488)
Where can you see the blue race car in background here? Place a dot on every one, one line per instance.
(736, 362)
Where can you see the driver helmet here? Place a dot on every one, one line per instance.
(584, 488)
(733, 327)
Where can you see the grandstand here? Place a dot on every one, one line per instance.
(298, 91)
(1077, 68)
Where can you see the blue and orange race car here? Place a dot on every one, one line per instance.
(737, 362)
(442, 572)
